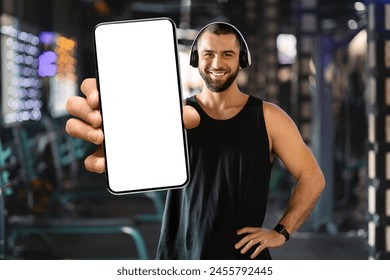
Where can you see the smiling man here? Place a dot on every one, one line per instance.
(220, 213)
(217, 77)
(232, 139)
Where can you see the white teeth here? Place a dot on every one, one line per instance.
(217, 74)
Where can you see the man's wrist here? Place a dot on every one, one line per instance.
(281, 229)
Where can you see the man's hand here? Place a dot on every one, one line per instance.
(87, 123)
(260, 238)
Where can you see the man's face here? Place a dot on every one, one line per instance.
(218, 60)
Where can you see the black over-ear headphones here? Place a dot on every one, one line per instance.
(245, 56)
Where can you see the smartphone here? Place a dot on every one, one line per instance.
(138, 79)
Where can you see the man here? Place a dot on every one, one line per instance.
(232, 138)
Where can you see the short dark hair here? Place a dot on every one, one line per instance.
(220, 28)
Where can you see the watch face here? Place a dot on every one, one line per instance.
(279, 228)
(282, 230)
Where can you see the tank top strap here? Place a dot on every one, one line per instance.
(252, 103)
(191, 101)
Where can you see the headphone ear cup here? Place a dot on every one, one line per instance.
(194, 59)
(243, 59)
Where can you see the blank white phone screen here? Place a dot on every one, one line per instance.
(140, 98)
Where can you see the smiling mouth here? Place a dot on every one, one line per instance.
(217, 73)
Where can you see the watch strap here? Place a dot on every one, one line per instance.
(281, 229)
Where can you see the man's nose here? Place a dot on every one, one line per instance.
(216, 61)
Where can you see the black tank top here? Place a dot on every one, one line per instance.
(230, 171)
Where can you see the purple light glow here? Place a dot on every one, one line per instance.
(47, 64)
(46, 37)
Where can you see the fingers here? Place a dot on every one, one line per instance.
(89, 88)
(80, 129)
(80, 108)
(258, 250)
(258, 243)
(87, 123)
(249, 240)
(256, 238)
(96, 162)
(247, 230)
(86, 108)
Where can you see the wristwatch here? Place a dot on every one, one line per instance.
(281, 229)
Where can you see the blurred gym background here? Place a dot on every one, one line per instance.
(325, 62)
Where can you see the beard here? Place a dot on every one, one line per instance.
(218, 85)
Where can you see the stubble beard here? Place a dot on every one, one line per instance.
(218, 85)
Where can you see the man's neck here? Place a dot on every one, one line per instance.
(222, 105)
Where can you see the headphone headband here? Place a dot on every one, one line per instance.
(245, 57)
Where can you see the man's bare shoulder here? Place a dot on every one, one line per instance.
(273, 111)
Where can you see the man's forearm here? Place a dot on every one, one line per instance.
(303, 200)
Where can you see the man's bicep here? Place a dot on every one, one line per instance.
(287, 143)
(295, 155)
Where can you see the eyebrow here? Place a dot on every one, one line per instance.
(225, 51)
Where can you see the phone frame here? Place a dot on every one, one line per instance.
(180, 94)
